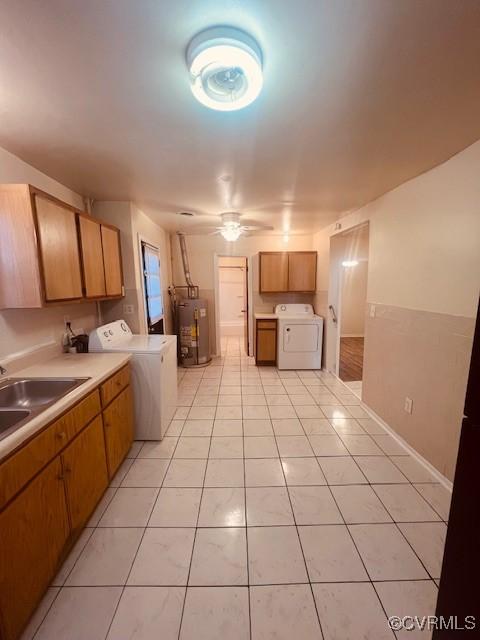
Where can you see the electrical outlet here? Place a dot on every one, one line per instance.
(372, 311)
(128, 309)
(408, 406)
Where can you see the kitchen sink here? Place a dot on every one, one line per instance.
(24, 398)
(10, 417)
(34, 392)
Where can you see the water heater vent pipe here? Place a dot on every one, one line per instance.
(183, 250)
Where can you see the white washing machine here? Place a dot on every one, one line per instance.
(300, 337)
(154, 374)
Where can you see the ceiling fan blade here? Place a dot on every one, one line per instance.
(257, 227)
(255, 224)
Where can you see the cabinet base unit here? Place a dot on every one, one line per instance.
(266, 342)
(49, 487)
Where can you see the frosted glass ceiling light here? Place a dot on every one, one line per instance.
(225, 68)
(231, 231)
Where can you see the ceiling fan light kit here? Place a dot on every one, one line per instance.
(225, 67)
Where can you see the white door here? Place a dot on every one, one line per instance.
(300, 338)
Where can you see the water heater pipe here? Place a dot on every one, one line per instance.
(183, 250)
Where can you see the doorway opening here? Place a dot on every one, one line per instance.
(233, 302)
(349, 278)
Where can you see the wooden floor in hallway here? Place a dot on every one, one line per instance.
(351, 359)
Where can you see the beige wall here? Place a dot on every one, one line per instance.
(134, 226)
(23, 329)
(354, 298)
(423, 278)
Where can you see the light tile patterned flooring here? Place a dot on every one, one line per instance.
(275, 507)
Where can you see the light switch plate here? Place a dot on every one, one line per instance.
(408, 405)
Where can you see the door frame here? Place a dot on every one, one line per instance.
(335, 289)
(249, 315)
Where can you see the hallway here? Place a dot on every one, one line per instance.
(274, 505)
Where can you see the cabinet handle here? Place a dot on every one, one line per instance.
(68, 470)
(60, 476)
(61, 435)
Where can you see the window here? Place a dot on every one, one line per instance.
(153, 288)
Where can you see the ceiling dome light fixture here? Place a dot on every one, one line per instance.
(231, 230)
(225, 68)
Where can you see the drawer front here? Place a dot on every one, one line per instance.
(112, 387)
(267, 324)
(20, 468)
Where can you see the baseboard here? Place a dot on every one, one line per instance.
(352, 335)
(448, 484)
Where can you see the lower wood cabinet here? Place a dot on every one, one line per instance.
(50, 487)
(118, 421)
(85, 472)
(34, 532)
(266, 342)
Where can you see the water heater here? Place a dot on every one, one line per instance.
(193, 332)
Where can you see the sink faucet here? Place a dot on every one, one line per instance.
(2, 370)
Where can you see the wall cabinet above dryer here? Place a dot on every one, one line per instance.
(287, 271)
(52, 253)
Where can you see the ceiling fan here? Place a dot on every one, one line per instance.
(233, 226)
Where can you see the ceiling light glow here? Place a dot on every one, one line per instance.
(231, 231)
(225, 68)
(349, 263)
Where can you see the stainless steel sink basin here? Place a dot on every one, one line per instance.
(10, 417)
(33, 392)
(23, 398)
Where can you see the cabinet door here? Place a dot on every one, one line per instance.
(92, 257)
(59, 253)
(34, 530)
(266, 342)
(85, 470)
(273, 272)
(302, 271)
(112, 261)
(118, 424)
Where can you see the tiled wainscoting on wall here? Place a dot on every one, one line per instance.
(424, 356)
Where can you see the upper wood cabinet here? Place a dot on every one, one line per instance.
(92, 256)
(302, 270)
(286, 271)
(58, 248)
(273, 272)
(51, 252)
(112, 260)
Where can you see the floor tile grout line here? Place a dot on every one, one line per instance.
(359, 554)
(301, 547)
(196, 530)
(246, 527)
(124, 586)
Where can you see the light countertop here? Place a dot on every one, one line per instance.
(265, 316)
(95, 366)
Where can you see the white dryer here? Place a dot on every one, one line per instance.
(300, 337)
(154, 374)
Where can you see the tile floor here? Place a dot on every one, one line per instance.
(275, 507)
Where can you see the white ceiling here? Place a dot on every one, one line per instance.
(359, 96)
